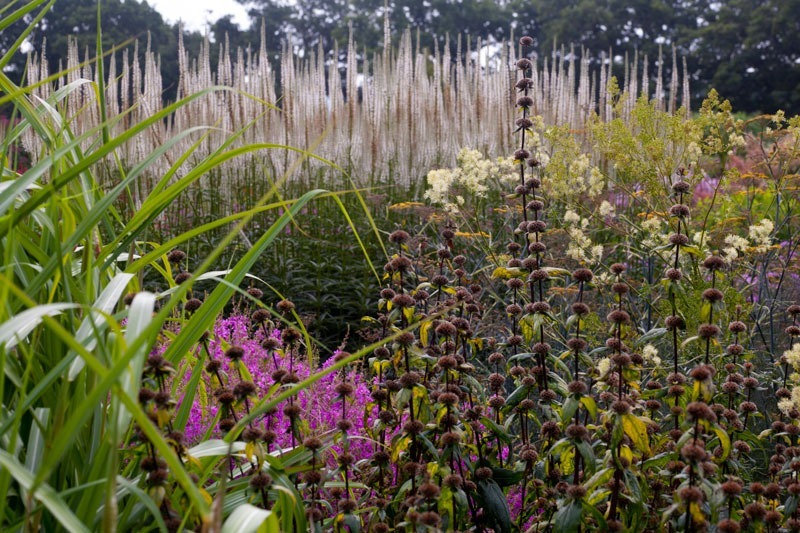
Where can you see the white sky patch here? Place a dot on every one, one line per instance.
(198, 14)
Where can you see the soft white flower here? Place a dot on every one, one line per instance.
(533, 141)
(596, 182)
(571, 217)
(785, 406)
(603, 278)
(736, 245)
(693, 153)
(652, 225)
(737, 140)
(439, 183)
(793, 356)
(451, 208)
(578, 243)
(579, 165)
(543, 158)
(474, 171)
(738, 242)
(796, 396)
(729, 254)
(761, 233)
(603, 366)
(507, 171)
(606, 209)
(649, 352)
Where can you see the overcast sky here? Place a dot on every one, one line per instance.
(195, 13)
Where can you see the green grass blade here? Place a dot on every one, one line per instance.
(358, 237)
(44, 493)
(140, 315)
(104, 305)
(20, 326)
(98, 211)
(182, 416)
(248, 518)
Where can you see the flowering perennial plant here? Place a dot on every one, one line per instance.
(264, 359)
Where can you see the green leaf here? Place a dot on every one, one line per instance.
(248, 518)
(636, 430)
(508, 273)
(586, 451)
(495, 504)
(105, 304)
(519, 394)
(182, 416)
(632, 484)
(36, 443)
(555, 271)
(140, 315)
(598, 516)
(569, 409)
(705, 312)
(498, 431)
(215, 448)
(790, 506)
(724, 442)
(590, 405)
(568, 518)
(599, 478)
(649, 336)
(352, 523)
(20, 326)
(505, 477)
(44, 493)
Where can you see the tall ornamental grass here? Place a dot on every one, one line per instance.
(386, 118)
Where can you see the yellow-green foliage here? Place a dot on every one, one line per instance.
(722, 132)
(570, 171)
(646, 149)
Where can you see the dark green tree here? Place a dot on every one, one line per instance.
(77, 19)
(749, 50)
(314, 22)
(122, 22)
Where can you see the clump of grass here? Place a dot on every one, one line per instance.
(378, 136)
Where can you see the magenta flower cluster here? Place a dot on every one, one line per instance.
(321, 406)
